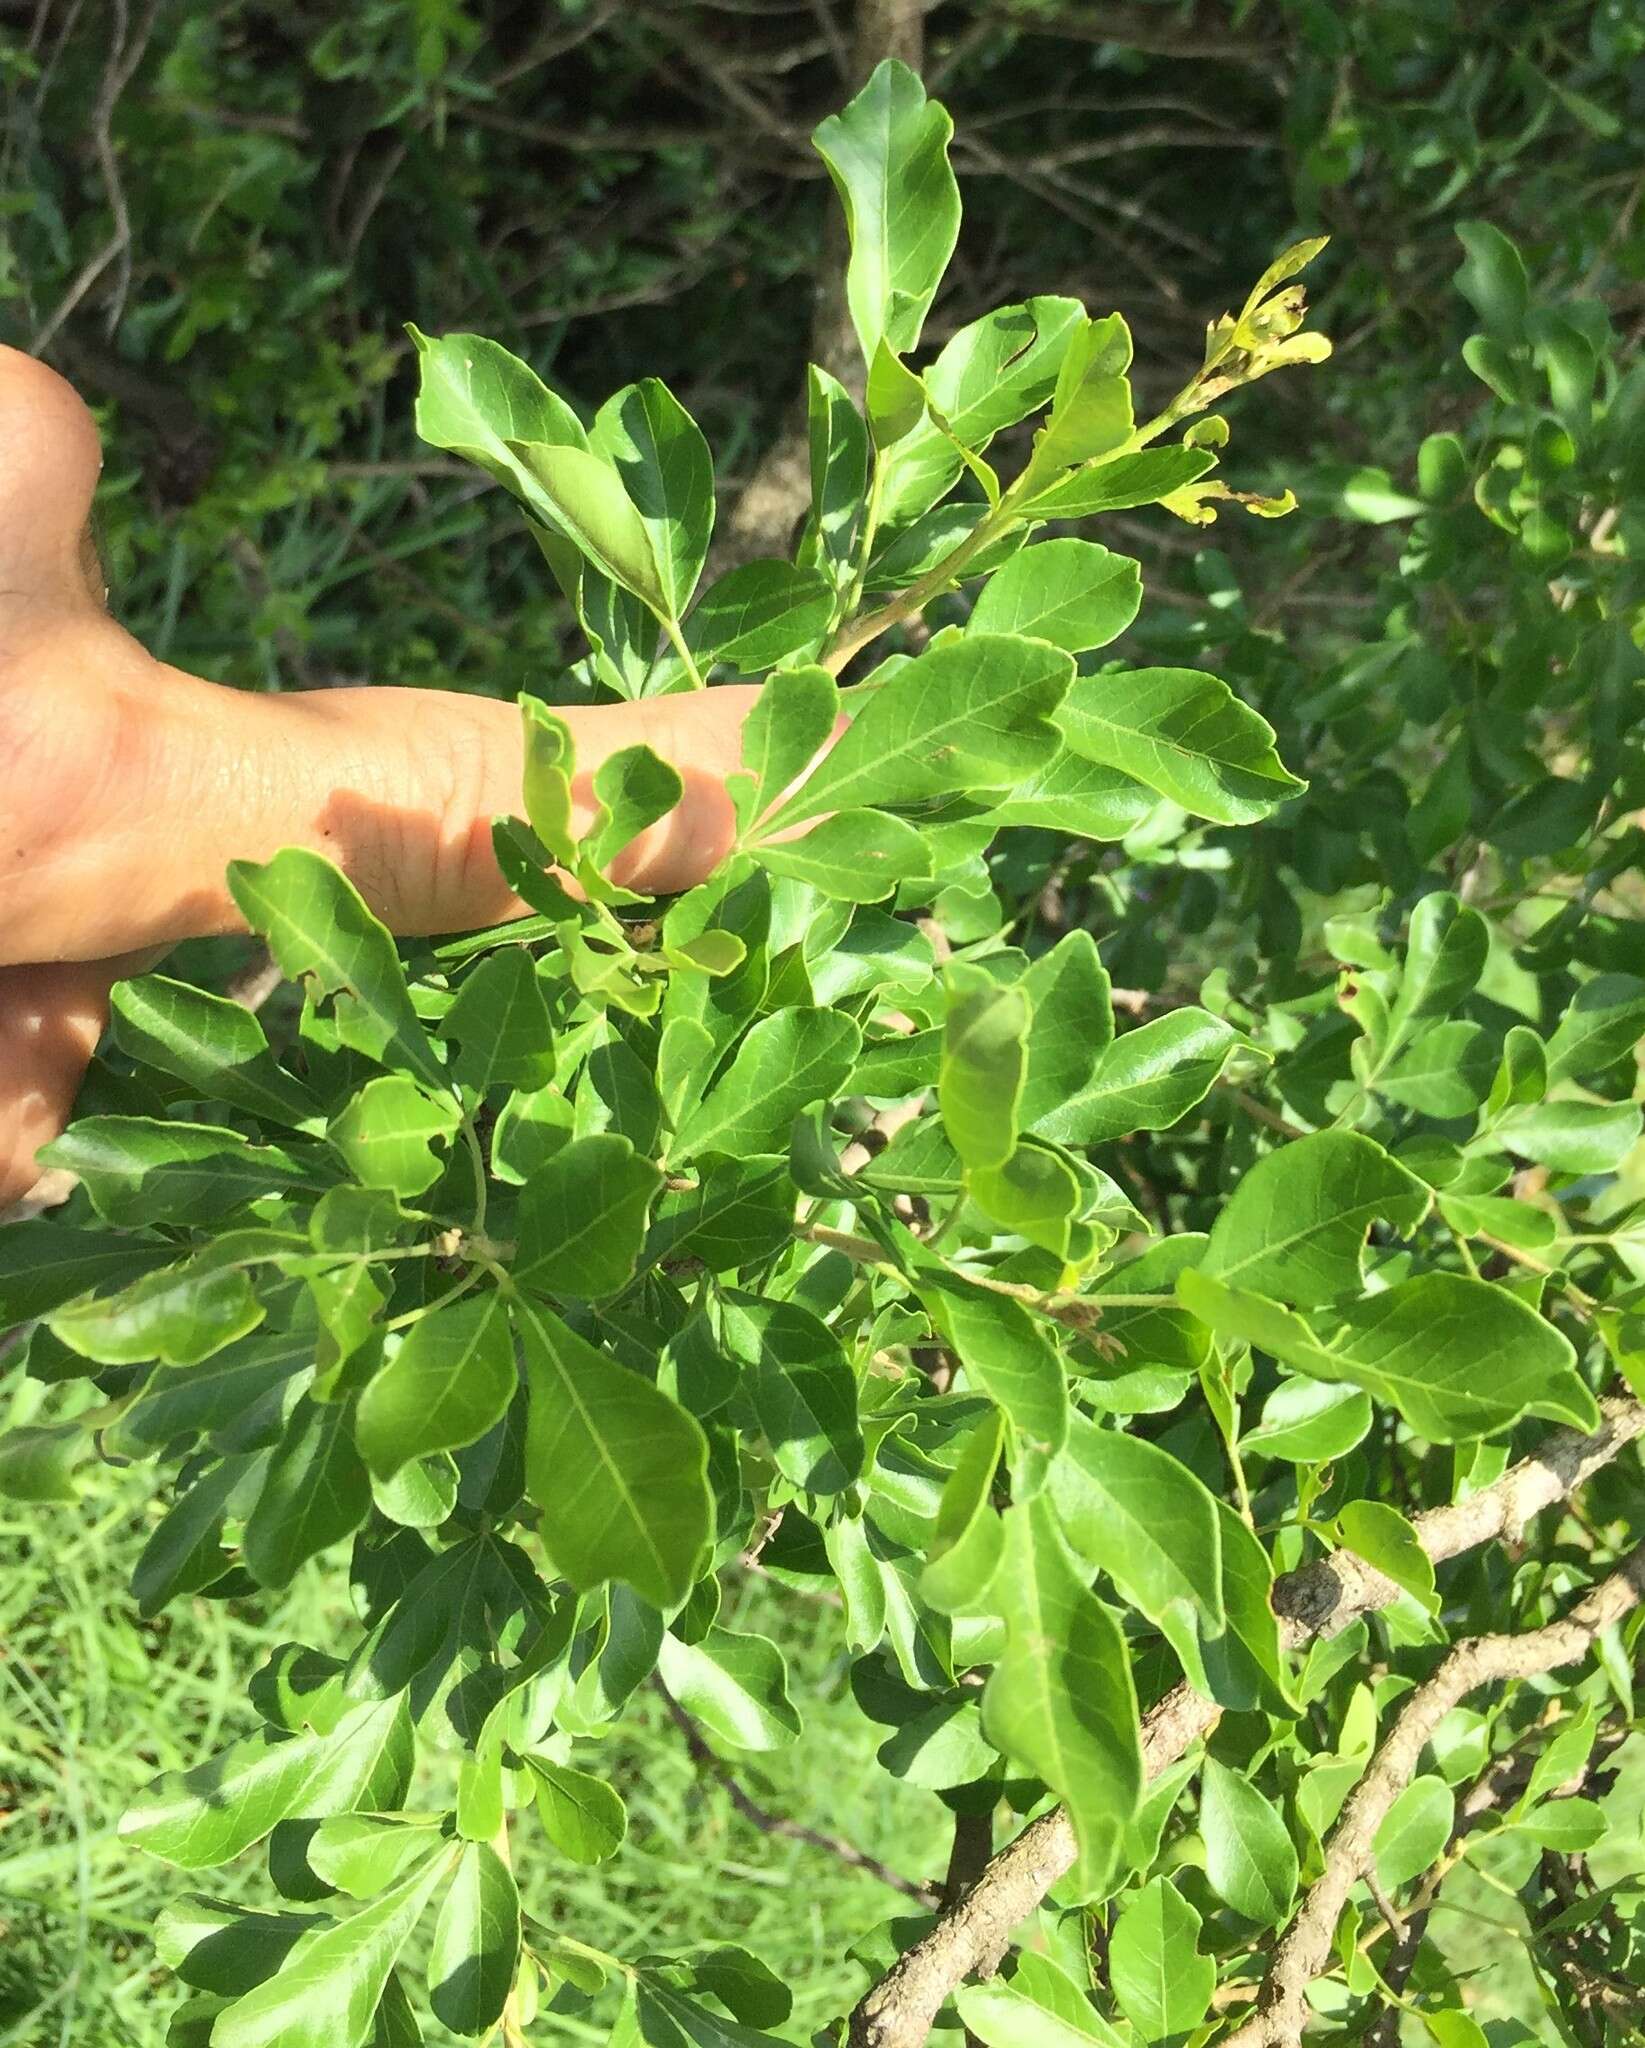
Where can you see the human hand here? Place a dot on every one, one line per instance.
(126, 786)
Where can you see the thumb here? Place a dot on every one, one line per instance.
(50, 459)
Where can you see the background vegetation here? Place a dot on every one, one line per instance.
(217, 219)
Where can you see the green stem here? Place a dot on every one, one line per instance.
(870, 527)
(471, 1138)
(672, 628)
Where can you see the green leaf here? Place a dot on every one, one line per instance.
(321, 933)
(896, 400)
(550, 761)
(1571, 1137)
(1183, 733)
(1446, 1072)
(969, 1540)
(1006, 2016)
(44, 1263)
(37, 1461)
(1492, 279)
(217, 1046)
(1146, 1079)
(450, 1381)
(1161, 1982)
(360, 1853)
(855, 856)
(1604, 1023)
(802, 1388)
(1091, 407)
(315, 1494)
(209, 1814)
(388, 1133)
(1132, 1510)
(735, 1685)
(325, 1994)
(887, 153)
(1414, 1831)
(1384, 1538)
(500, 1024)
(589, 499)
(783, 1064)
(1307, 1422)
(1457, 1357)
(1078, 797)
(1071, 592)
(984, 1061)
(475, 1952)
(474, 398)
(792, 721)
(1035, 1194)
(633, 788)
(967, 715)
(1444, 957)
(658, 451)
(1296, 1225)
(180, 1316)
(758, 614)
(1119, 483)
(583, 1217)
(582, 1816)
(838, 447)
(1071, 1024)
(140, 1169)
(1006, 1356)
(618, 1469)
(1249, 1857)
(1060, 1701)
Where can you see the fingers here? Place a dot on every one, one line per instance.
(50, 1021)
(49, 464)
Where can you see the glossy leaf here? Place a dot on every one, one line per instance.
(583, 1217)
(1249, 1856)
(450, 1381)
(659, 453)
(582, 1816)
(475, 1950)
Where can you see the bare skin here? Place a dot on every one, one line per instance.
(126, 786)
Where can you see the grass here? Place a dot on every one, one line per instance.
(94, 1701)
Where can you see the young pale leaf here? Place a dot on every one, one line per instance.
(1071, 592)
(1161, 1981)
(984, 1060)
(966, 716)
(659, 452)
(582, 1816)
(500, 1024)
(1145, 1080)
(736, 1685)
(1091, 407)
(887, 153)
(450, 1381)
(326, 1992)
(583, 1217)
(855, 856)
(550, 760)
(1183, 733)
(783, 1064)
(758, 614)
(1249, 1856)
(589, 499)
(1296, 1226)
(1135, 1512)
(217, 1046)
(388, 1133)
(619, 1471)
(316, 1493)
(208, 1815)
(803, 1391)
(475, 1952)
(321, 933)
(1060, 1700)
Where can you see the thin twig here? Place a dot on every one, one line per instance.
(1322, 1599)
(770, 1823)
